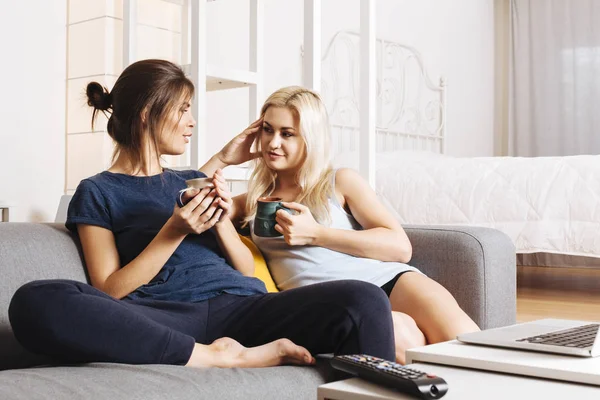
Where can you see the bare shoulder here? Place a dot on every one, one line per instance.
(346, 173)
(348, 180)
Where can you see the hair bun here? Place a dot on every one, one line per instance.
(98, 96)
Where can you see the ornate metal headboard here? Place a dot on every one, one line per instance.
(411, 110)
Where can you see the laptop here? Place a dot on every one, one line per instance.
(576, 338)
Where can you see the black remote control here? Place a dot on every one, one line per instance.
(387, 373)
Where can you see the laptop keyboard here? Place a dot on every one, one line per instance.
(579, 337)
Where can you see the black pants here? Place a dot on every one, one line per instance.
(74, 322)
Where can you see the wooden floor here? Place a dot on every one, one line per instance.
(569, 293)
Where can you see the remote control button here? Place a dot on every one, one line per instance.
(431, 375)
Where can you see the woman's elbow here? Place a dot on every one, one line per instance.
(113, 290)
(406, 254)
(106, 289)
(404, 251)
(100, 284)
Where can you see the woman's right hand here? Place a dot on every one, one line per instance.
(238, 150)
(199, 214)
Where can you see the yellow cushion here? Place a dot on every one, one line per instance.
(260, 265)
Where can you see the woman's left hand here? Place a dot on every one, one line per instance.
(223, 194)
(300, 229)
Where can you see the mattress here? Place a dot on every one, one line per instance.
(544, 204)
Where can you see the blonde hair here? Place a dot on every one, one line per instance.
(315, 173)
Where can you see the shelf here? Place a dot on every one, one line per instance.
(221, 78)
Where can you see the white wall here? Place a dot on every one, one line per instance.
(227, 110)
(455, 38)
(32, 106)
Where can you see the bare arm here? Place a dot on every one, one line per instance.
(382, 237)
(212, 165)
(237, 151)
(102, 258)
(236, 252)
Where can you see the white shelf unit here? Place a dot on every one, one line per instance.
(206, 77)
(220, 78)
(176, 30)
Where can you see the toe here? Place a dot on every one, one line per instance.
(291, 353)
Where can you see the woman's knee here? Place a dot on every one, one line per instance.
(362, 296)
(32, 301)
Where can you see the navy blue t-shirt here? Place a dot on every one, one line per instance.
(135, 208)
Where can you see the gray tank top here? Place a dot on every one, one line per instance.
(295, 266)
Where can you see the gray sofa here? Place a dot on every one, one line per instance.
(476, 264)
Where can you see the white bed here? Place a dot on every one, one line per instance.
(545, 205)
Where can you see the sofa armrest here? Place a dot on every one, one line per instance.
(477, 265)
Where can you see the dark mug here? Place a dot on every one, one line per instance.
(264, 221)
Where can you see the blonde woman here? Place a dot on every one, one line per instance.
(339, 229)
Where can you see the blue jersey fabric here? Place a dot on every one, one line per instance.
(135, 208)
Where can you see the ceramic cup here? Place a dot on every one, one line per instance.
(264, 222)
(196, 183)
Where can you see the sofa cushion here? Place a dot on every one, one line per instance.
(29, 252)
(260, 265)
(148, 382)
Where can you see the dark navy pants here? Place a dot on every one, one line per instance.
(75, 322)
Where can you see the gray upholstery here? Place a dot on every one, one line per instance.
(30, 252)
(477, 265)
(159, 382)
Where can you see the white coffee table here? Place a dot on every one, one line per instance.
(465, 384)
(585, 370)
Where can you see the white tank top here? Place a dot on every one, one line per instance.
(295, 266)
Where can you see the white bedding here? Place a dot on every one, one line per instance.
(546, 204)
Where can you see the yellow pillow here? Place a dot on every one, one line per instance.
(260, 265)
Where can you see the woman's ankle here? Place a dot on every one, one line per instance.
(202, 357)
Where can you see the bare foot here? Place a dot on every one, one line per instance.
(228, 353)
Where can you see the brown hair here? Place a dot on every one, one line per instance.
(143, 96)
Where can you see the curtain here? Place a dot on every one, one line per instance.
(554, 89)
